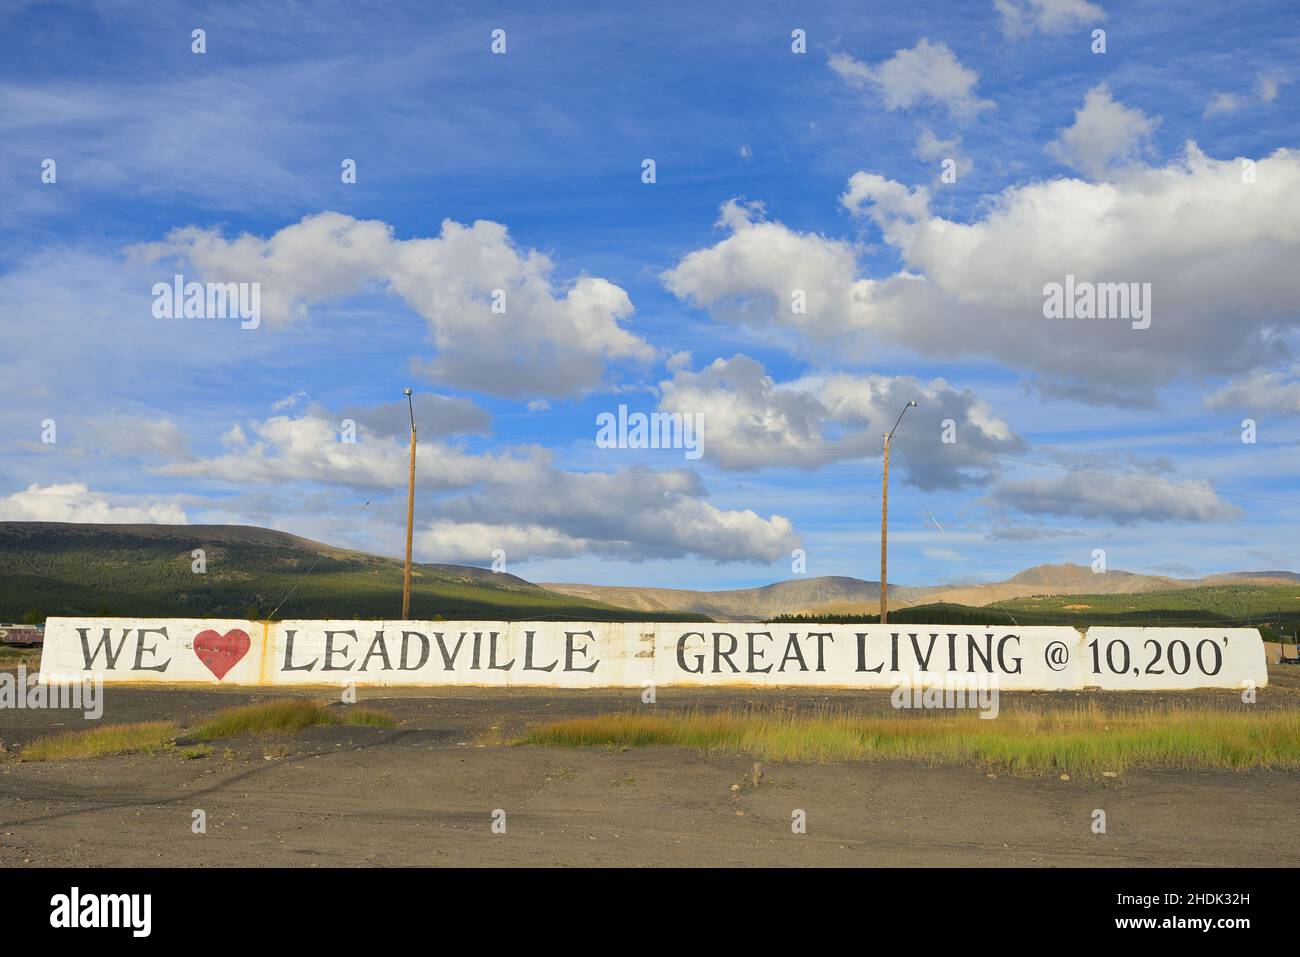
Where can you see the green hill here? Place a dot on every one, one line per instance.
(1255, 606)
(1202, 605)
(49, 568)
(53, 568)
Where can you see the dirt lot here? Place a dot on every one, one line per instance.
(425, 792)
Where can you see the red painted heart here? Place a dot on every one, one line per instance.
(220, 652)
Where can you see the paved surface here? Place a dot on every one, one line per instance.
(425, 792)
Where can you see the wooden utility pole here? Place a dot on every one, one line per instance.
(884, 518)
(884, 535)
(410, 517)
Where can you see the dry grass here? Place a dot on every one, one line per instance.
(1083, 743)
(102, 741)
(285, 716)
(12, 657)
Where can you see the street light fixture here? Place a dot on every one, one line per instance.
(884, 516)
(410, 515)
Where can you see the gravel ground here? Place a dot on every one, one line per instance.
(425, 793)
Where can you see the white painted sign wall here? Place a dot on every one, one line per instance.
(638, 654)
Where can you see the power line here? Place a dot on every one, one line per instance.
(303, 577)
(307, 573)
(956, 551)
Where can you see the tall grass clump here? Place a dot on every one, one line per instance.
(102, 741)
(1084, 742)
(284, 716)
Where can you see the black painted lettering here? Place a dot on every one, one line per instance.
(492, 655)
(719, 655)
(331, 651)
(862, 655)
(754, 654)
(570, 650)
(105, 645)
(378, 649)
(288, 654)
(1002, 661)
(529, 636)
(681, 654)
(141, 649)
(449, 660)
(406, 647)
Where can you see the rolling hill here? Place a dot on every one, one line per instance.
(1039, 580)
(853, 598)
(49, 568)
(780, 598)
(53, 568)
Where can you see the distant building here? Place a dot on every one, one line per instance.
(22, 635)
(1275, 651)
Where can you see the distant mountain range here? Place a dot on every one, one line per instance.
(53, 568)
(780, 598)
(853, 596)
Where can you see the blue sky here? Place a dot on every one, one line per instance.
(776, 171)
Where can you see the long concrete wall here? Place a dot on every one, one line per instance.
(638, 654)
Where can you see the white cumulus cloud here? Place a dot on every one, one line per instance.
(1104, 134)
(75, 502)
(927, 74)
(543, 337)
(1022, 17)
(752, 422)
(1218, 252)
(633, 514)
(1260, 391)
(1128, 500)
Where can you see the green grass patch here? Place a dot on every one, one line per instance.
(285, 716)
(1085, 742)
(103, 741)
(282, 717)
(368, 718)
(1208, 606)
(12, 656)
